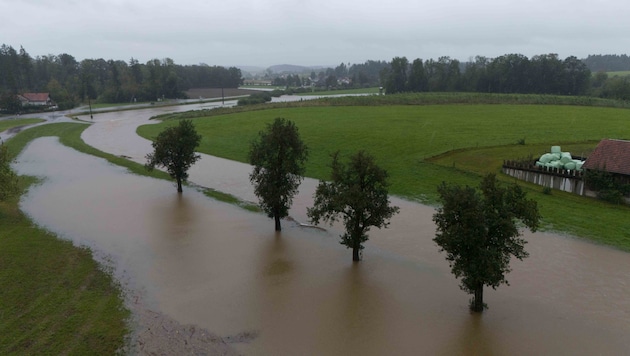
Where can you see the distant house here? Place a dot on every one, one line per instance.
(35, 99)
(612, 156)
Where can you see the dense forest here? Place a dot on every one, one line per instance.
(70, 82)
(512, 73)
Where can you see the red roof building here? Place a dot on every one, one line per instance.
(611, 156)
(36, 99)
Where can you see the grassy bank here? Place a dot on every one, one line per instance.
(54, 299)
(7, 124)
(405, 138)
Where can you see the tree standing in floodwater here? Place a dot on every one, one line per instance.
(278, 156)
(358, 193)
(174, 149)
(479, 232)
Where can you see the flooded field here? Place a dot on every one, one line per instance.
(212, 265)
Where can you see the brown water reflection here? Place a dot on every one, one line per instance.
(207, 263)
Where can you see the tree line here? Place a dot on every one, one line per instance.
(511, 73)
(71, 82)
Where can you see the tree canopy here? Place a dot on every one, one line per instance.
(174, 149)
(356, 193)
(479, 231)
(278, 156)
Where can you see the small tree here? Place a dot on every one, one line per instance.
(278, 156)
(174, 149)
(8, 179)
(479, 232)
(358, 194)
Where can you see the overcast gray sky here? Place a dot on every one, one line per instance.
(313, 32)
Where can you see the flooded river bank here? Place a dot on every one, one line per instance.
(223, 269)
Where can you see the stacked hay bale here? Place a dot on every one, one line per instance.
(560, 160)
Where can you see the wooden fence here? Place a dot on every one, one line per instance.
(567, 180)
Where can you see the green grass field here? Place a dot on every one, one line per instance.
(406, 139)
(618, 73)
(7, 124)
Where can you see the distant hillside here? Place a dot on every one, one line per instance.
(293, 69)
(251, 70)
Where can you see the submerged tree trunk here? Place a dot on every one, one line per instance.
(477, 305)
(179, 186)
(356, 248)
(277, 218)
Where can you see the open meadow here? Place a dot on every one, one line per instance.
(423, 145)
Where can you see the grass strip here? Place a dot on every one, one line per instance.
(70, 135)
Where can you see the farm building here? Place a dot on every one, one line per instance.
(35, 99)
(612, 156)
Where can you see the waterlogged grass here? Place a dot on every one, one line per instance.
(7, 124)
(406, 139)
(228, 198)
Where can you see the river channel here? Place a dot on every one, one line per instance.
(223, 269)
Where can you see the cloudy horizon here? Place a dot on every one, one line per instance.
(310, 33)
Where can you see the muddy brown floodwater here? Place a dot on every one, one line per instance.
(218, 269)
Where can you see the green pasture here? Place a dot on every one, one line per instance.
(413, 141)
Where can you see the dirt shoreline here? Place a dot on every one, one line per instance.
(155, 333)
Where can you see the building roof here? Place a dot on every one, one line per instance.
(36, 96)
(610, 155)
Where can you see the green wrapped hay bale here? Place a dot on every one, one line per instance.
(546, 158)
(540, 164)
(570, 166)
(566, 157)
(556, 156)
(556, 164)
(555, 149)
(578, 166)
